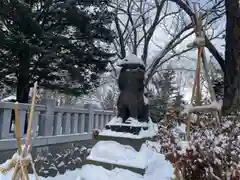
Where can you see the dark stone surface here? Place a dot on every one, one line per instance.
(112, 166)
(127, 129)
(54, 159)
(131, 85)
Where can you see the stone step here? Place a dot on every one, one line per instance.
(111, 166)
(136, 143)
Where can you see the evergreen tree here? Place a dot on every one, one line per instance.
(166, 87)
(178, 100)
(56, 43)
(109, 101)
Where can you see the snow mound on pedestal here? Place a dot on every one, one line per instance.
(157, 168)
(115, 153)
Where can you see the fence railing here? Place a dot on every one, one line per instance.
(52, 122)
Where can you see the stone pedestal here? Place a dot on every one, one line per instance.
(122, 139)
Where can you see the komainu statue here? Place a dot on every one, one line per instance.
(131, 85)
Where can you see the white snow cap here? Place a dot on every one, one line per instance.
(145, 100)
(131, 59)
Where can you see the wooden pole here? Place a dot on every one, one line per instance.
(206, 74)
(20, 165)
(196, 93)
(198, 88)
(30, 117)
(17, 128)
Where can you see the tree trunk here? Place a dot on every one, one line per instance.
(231, 99)
(23, 79)
(23, 84)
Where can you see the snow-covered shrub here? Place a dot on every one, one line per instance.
(212, 152)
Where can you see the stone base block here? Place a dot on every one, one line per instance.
(112, 166)
(133, 142)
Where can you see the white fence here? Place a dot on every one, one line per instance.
(51, 124)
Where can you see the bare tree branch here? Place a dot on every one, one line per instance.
(129, 14)
(120, 37)
(152, 28)
(159, 21)
(209, 45)
(143, 28)
(171, 44)
(174, 55)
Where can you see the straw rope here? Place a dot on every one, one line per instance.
(22, 159)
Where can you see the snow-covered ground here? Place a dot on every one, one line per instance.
(148, 158)
(157, 168)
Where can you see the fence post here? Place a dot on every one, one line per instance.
(91, 118)
(49, 117)
(5, 122)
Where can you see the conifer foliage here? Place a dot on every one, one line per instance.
(166, 88)
(63, 45)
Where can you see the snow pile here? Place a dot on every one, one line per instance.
(114, 121)
(9, 98)
(155, 145)
(150, 132)
(69, 175)
(145, 100)
(91, 172)
(216, 105)
(157, 168)
(179, 130)
(112, 152)
(115, 153)
(187, 108)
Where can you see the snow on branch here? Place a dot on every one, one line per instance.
(214, 106)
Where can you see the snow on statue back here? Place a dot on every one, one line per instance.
(131, 105)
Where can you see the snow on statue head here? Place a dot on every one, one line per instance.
(131, 102)
(131, 60)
